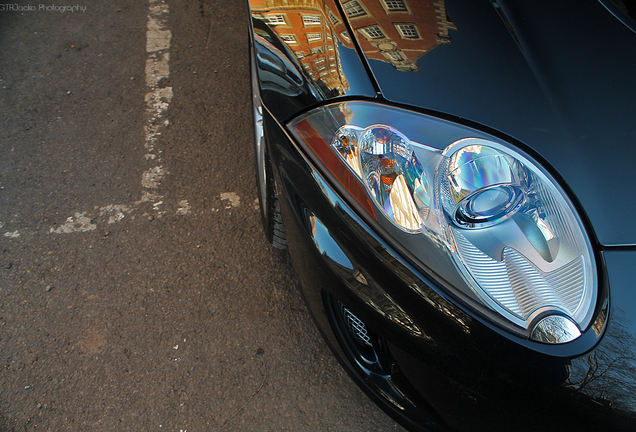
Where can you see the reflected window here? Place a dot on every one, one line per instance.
(275, 19)
(316, 50)
(373, 32)
(313, 37)
(334, 20)
(300, 54)
(310, 20)
(408, 31)
(290, 39)
(345, 36)
(394, 55)
(395, 5)
(353, 9)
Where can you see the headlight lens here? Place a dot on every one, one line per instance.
(445, 191)
(481, 186)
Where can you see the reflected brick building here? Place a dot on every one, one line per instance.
(308, 28)
(398, 32)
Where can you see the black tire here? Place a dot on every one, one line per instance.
(270, 209)
(267, 195)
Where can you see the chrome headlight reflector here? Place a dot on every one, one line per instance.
(504, 223)
(481, 185)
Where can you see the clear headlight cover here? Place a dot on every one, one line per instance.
(473, 209)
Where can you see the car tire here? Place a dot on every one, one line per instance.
(267, 195)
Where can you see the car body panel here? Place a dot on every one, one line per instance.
(299, 74)
(473, 378)
(548, 79)
(458, 370)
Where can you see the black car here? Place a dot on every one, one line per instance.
(453, 180)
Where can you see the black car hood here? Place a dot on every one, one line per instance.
(556, 77)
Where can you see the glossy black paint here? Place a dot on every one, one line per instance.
(540, 87)
(561, 84)
(286, 89)
(461, 372)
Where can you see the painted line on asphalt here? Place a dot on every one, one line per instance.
(157, 100)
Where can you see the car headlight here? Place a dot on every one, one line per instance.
(474, 210)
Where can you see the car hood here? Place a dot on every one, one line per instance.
(555, 78)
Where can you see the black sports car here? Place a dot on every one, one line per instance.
(453, 181)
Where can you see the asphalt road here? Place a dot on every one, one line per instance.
(137, 292)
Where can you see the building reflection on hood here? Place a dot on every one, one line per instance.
(397, 32)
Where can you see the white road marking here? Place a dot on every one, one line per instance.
(157, 98)
(115, 212)
(151, 179)
(147, 197)
(233, 198)
(184, 207)
(157, 68)
(78, 223)
(157, 36)
(157, 101)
